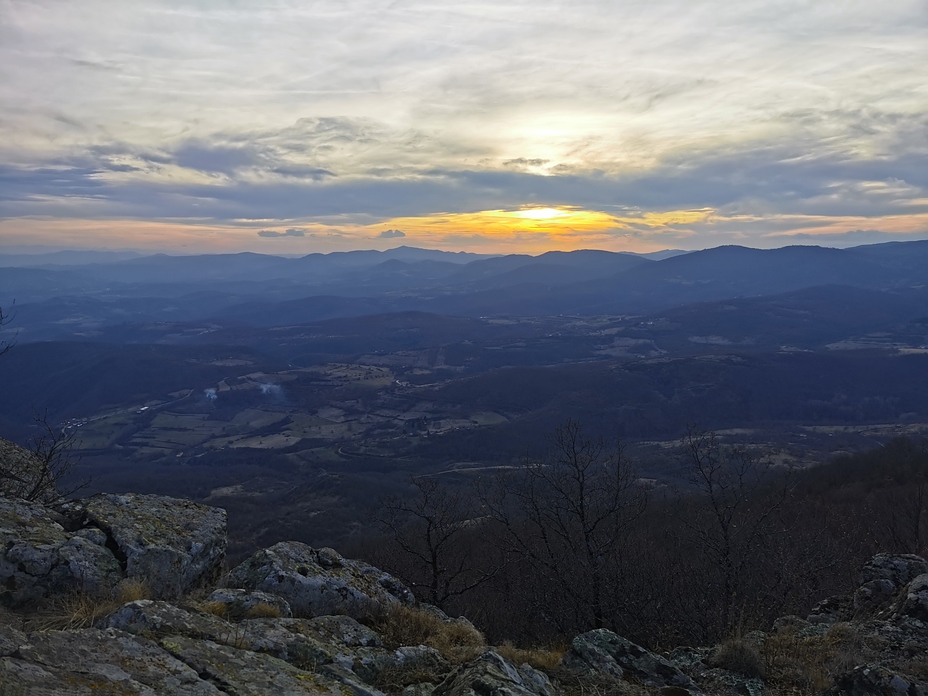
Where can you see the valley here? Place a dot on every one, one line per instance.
(297, 408)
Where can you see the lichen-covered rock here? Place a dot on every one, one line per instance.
(101, 661)
(333, 640)
(304, 643)
(831, 610)
(492, 675)
(240, 603)
(172, 545)
(10, 640)
(602, 651)
(875, 680)
(319, 582)
(913, 600)
(882, 577)
(39, 558)
(350, 681)
(343, 630)
(247, 673)
(158, 618)
(291, 640)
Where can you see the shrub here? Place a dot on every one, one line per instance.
(738, 655)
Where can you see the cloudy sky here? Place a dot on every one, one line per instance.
(292, 127)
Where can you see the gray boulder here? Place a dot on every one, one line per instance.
(876, 680)
(913, 600)
(882, 577)
(38, 558)
(319, 582)
(247, 673)
(316, 644)
(492, 675)
(173, 545)
(244, 603)
(603, 652)
(100, 661)
(158, 618)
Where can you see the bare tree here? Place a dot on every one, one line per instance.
(738, 514)
(906, 509)
(566, 514)
(431, 530)
(40, 474)
(6, 318)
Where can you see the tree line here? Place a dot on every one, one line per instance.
(574, 539)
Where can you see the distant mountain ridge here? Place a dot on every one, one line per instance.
(272, 290)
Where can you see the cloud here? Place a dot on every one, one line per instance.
(520, 162)
(770, 118)
(291, 232)
(203, 156)
(391, 234)
(843, 239)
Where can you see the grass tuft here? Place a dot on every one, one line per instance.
(220, 609)
(72, 612)
(132, 590)
(403, 625)
(263, 610)
(545, 659)
(807, 664)
(737, 655)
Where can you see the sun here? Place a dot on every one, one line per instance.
(540, 213)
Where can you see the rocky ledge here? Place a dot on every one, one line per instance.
(298, 620)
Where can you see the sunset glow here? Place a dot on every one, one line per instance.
(663, 124)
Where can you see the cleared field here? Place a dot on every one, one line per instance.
(175, 431)
(257, 418)
(876, 430)
(105, 432)
(360, 374)
(488, 418)
(307, 420)
(275, 441)
(178, 421)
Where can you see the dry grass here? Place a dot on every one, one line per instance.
(263, 610)
(798, 664)
(403, 625)
(230, 612)
(73, 612)
(571, 684)
(738, 655)
(394, 678)
(132, 590)
(80, 609)
(220, 609)
(545, 659)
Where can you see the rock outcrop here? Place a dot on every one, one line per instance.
(319, 582)
(291, 620)
(491, 674)
(38, 558)
(173, 545)
(170, 545)
(605, 653)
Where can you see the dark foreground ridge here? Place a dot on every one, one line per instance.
(297, 620)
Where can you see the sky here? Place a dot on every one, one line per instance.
(299, 127)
